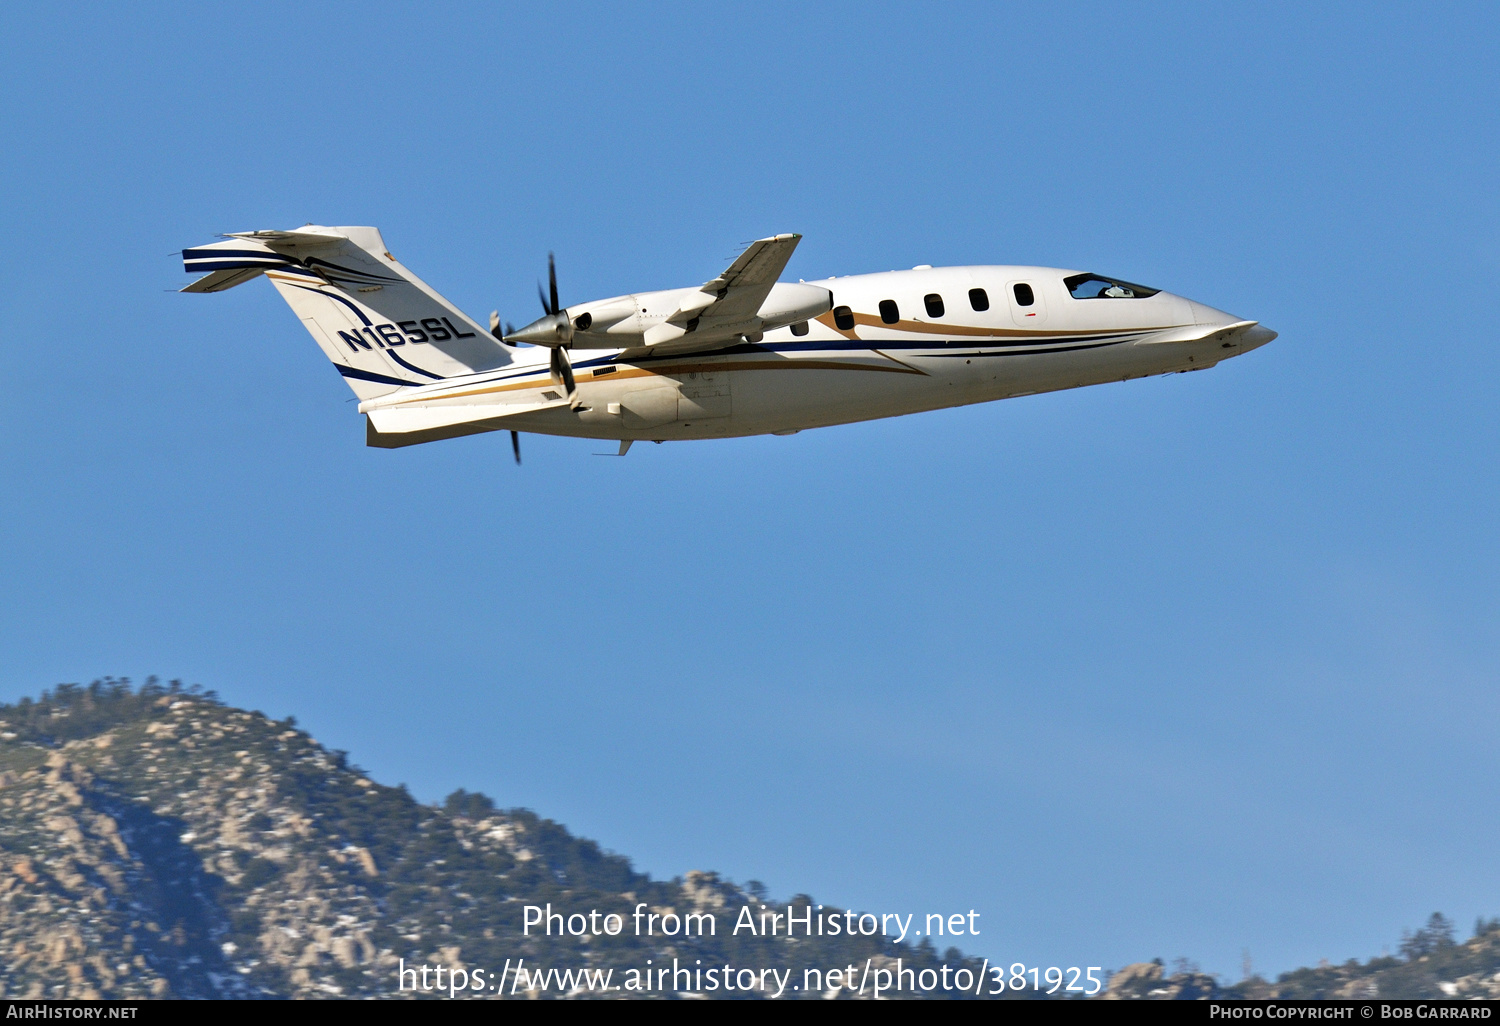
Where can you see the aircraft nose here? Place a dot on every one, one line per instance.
(1250, 338)
(1258, 336)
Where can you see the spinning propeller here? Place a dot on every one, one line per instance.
(555, 331)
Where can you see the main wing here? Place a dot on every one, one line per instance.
(709, 318)
(747, 282)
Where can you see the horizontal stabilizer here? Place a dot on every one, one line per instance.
(228, 278)
(230, 263)
(315, 237)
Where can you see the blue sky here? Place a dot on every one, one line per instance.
(1182, 666)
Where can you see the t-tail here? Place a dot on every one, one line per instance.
(382, 326)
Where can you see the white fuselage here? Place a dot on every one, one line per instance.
(861, 360)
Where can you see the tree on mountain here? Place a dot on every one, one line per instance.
(1436, 935)
(469, 804)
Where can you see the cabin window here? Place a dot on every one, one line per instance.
(1024, 295)
(800, 328)
(934, 304)
(888, 312)
(843, 317)
(979, 299)
(1092, 286)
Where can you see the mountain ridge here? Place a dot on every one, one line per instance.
(156, 842)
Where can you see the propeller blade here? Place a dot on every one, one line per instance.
(495, 325)
(515, 445)
(562, 373)
(543, 297)
(552, 281)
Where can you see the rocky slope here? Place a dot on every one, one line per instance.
(157, 843)
(1470, 970)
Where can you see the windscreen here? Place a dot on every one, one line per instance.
(1093, 286)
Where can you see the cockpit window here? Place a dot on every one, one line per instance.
(1091, 286)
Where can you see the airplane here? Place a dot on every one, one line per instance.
(741, 354)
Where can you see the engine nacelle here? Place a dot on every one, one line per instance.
(788, 304)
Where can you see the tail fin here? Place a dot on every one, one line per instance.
(381, 325)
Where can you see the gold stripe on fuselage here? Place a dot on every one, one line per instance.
(934, 328)
(544, 377)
